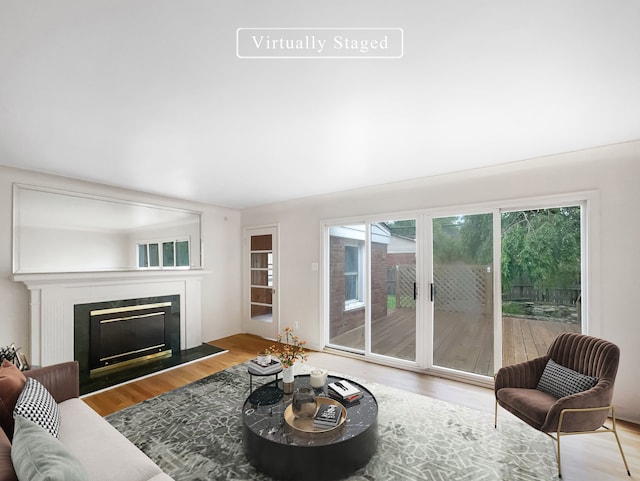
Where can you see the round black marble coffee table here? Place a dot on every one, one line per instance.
(275, 448)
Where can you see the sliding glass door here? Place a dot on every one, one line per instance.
(541, 279)
(462, 293)
(393, 289)
(347, 287)
(374, 293)
(372, 286)
(457, 294)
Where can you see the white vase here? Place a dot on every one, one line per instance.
(288, 374)
(287, 379)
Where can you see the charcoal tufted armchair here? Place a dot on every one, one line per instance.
(567, 391)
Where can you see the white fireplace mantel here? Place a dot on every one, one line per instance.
(54, 294)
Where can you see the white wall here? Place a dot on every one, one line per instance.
(613, 171)
(91, 250)
(221, 237)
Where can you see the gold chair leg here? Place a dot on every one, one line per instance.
(615, 432)
(559, 466)
(558, 433)
(603, 429)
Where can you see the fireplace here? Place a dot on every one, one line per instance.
(120, 336)
(116, 335)
(53, 297)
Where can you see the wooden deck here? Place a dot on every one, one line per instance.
(462, 341)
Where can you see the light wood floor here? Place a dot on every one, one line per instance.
(584, 458)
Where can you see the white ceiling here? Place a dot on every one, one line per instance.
(149, 94)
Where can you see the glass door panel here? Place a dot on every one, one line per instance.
(541, 280)
(261, 275)
(347, 281)
(393, 289)
(262, 300)
(463, 293)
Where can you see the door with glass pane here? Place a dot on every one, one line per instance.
(541, 279)
(262, 318)
(372, 288)
(462, 293)
(393, 288)
(347, 276)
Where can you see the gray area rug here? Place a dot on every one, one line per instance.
(195, 433)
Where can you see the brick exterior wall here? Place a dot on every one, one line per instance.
(378, 280)
(340, 320)
(336, 287)
(401, 259)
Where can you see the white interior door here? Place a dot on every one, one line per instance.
(261, 298)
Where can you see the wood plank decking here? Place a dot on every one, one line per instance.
(462, 341)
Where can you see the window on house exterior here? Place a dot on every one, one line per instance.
(351, 274)
(170, 254)
(347, 285)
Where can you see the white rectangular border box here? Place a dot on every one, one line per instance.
(314, 57)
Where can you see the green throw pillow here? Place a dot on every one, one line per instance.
(38, 456)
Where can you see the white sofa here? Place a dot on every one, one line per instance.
(103, 452)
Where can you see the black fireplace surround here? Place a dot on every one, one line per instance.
(134, 334)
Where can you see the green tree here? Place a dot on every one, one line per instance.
(406, 228)
(467, 239)
(542, 245)
(476, 235)
(446, 240)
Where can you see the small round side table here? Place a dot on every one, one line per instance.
(258, 374)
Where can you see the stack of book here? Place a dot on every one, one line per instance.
(264, 369)
(327, 416)
(344, 391)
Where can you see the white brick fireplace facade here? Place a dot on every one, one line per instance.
(53, 296)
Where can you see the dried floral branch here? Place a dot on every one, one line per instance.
(290, 348)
